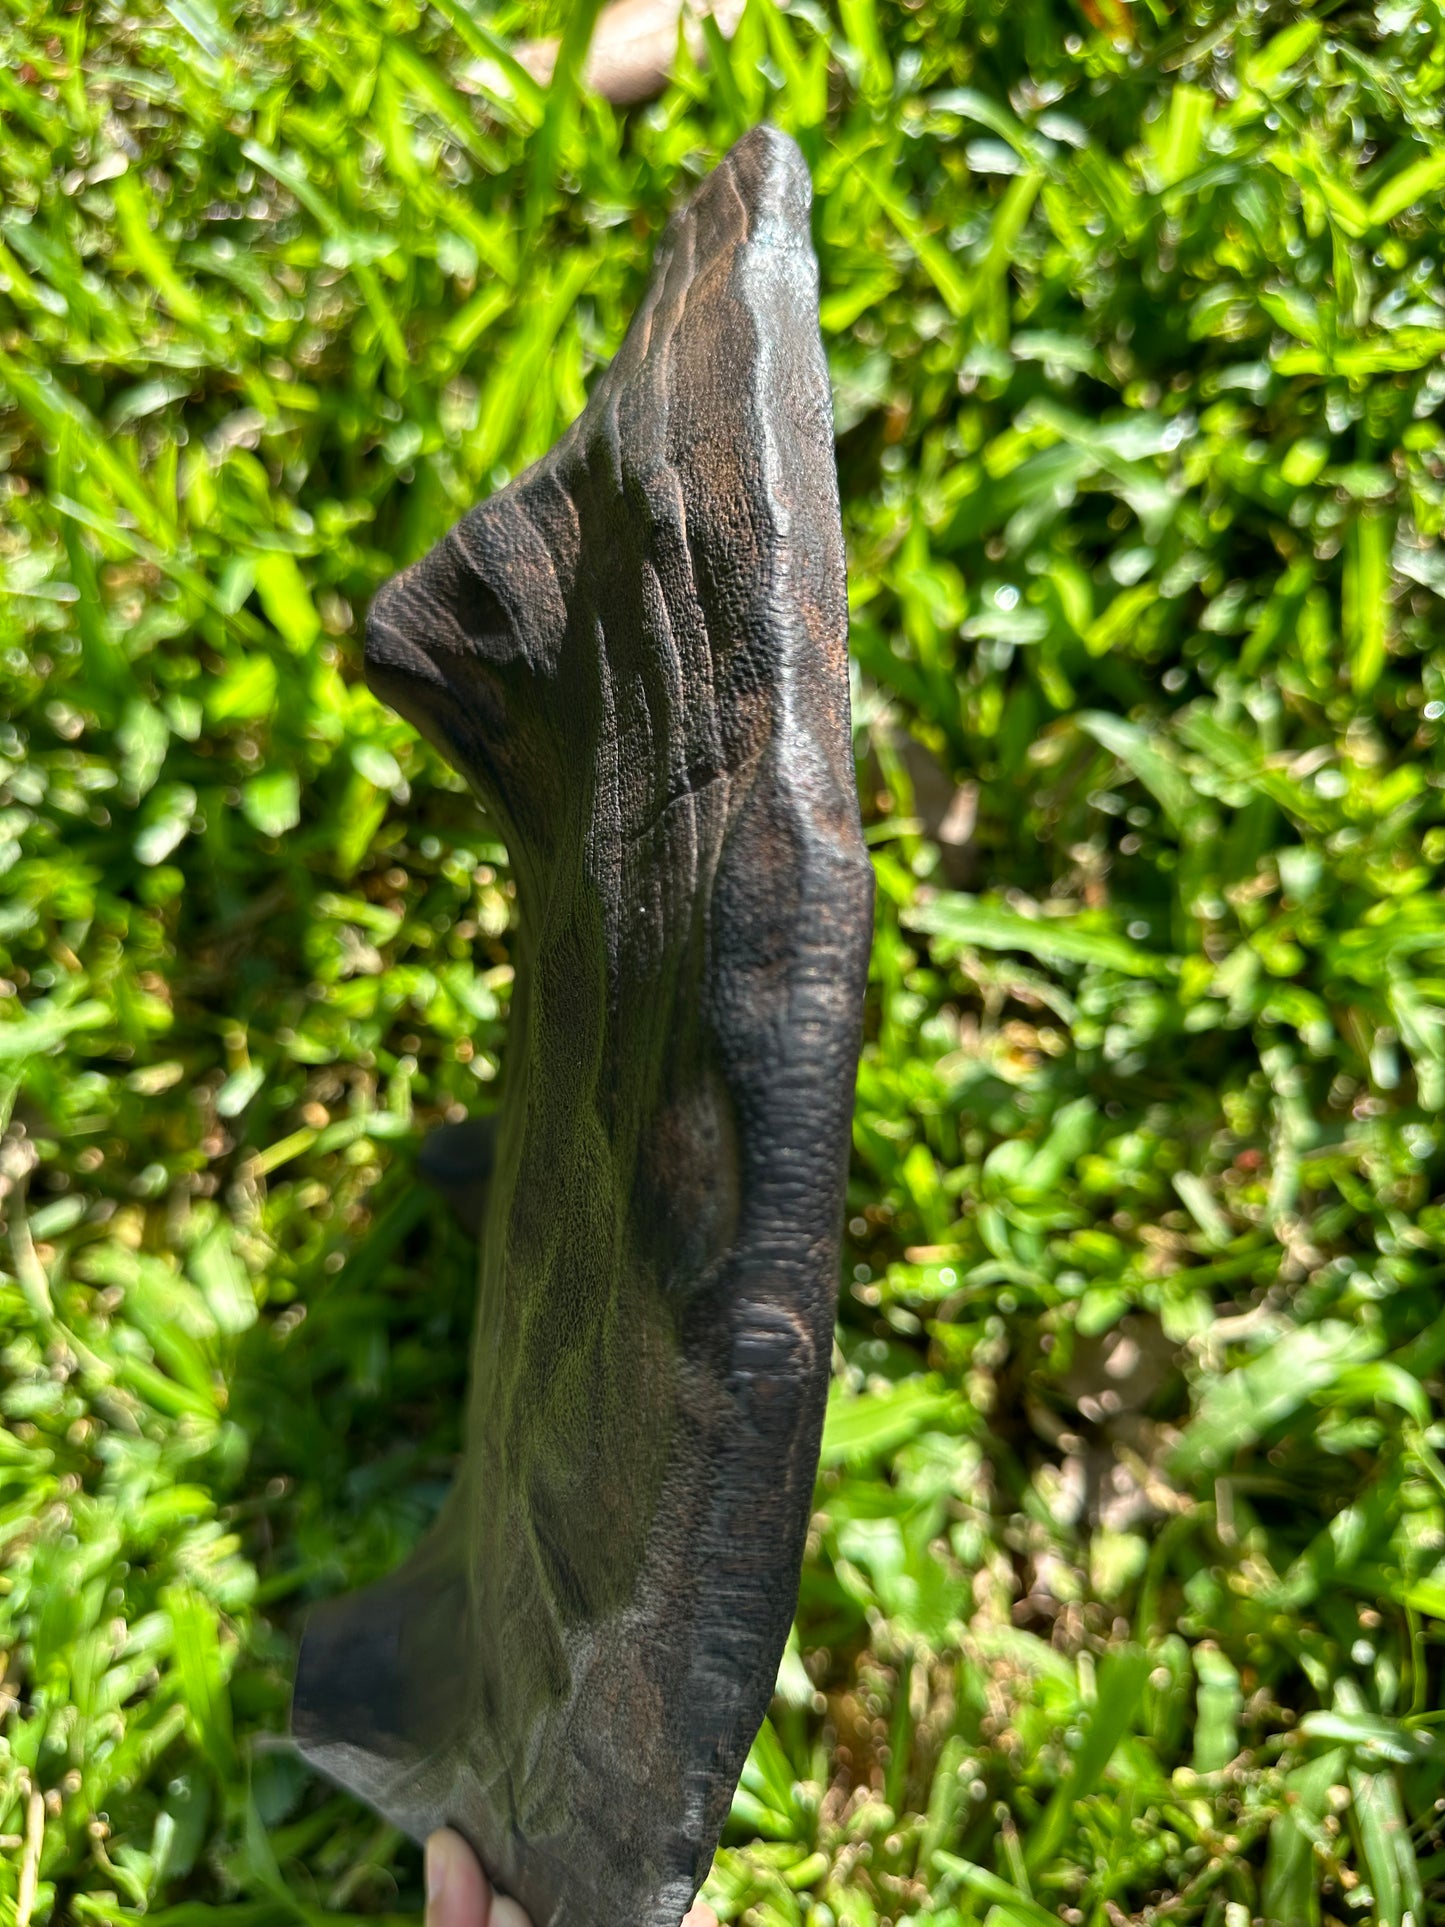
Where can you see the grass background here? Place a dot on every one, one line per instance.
(1125, 1591)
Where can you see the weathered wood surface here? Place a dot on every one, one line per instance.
(637, 653)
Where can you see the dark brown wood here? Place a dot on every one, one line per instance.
(637, 653)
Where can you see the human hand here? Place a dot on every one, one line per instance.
(458, 1893)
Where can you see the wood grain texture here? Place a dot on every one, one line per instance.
(637, 653)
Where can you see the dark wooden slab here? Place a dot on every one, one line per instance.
(637, 653)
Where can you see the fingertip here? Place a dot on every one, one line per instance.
(507, 1912)
(457, 1893)
(700, 1915)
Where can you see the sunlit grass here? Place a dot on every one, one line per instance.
(1124, 1591)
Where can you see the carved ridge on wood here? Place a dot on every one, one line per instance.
(637, 654)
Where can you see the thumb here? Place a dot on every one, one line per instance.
(457, 1892)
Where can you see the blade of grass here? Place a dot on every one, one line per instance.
(558, 114)
(1120, 1689)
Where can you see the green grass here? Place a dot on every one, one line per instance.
(1125, 1591)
